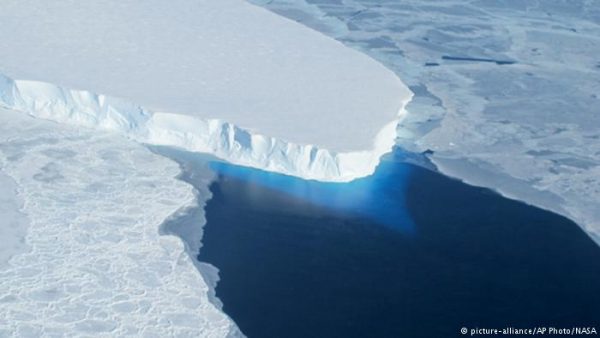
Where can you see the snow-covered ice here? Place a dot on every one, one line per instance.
(13, 223)
(507, 93)
(95, 264)
(228, 60)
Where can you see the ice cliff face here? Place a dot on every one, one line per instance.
(214, 136)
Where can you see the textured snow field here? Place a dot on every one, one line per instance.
(530, 129)
(13, 223)
(95, 264)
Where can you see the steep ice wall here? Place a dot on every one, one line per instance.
(214, 136)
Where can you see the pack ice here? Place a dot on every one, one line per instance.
(93, 262)
(223, 77)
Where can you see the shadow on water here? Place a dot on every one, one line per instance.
(404, 253)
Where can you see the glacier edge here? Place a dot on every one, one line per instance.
(214, 136)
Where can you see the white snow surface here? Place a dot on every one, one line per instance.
(289, 98)
(13, 224)
(95, 264)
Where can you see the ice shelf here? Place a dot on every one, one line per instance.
(288, 98)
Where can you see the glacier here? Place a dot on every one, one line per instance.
(226, 77)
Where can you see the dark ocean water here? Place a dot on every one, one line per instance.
(404, 253)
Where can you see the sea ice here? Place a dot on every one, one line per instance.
(95, 262)
(13, 224)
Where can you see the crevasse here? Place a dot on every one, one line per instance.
(217, 137)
